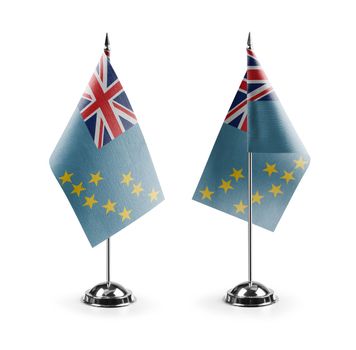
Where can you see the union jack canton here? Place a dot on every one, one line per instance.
(254, 86)
(104, 105)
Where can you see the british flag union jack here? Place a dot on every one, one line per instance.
(254, 86)
(104, 105)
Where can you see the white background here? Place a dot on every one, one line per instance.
(180, 63)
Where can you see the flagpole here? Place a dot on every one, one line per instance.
(108, 294)
(250, 293)
(107, 53)
(108, 262)
(249, 188)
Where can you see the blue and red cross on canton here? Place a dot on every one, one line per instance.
(254, 87)
(104, 105)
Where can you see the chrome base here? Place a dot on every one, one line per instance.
(108, 295)
(250, 295)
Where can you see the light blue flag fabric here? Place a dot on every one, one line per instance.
(256, 122)
(270, 130)
(102, 162)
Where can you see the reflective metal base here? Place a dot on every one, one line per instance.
(108, 295)
(250, 295)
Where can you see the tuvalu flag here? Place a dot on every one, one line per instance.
(102, 162)
(257, 123)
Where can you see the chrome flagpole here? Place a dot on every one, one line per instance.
(108, 294)
(108, 262)
(249, 189)
(250, 293)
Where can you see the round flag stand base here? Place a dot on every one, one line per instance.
(250, 294)
(108, 295)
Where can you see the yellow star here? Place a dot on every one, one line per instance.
(226, 185)
(300, 163)
(288, 176)
(77, 189)
(153, 195)
(125, 214)
(66, 177)
(276, 190)
(206, 193)
(240, 208)
(127, 178)
(95, 178)
(90, 201)
(237, 174)
(137, 189)
(109, 206)
(256, 198)
(270, 169)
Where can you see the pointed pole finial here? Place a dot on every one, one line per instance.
(249, 46)
(107, 45)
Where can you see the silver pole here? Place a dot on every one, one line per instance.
(249, 170)
(108, 262)
(107, 53)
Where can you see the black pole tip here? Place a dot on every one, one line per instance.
(107, 42)
(249, 46)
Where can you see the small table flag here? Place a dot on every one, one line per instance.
(257, 123)
(102, 162)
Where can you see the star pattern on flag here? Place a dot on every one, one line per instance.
(66, 177)
(226, 185)
(270, 169)
(240, 207)
(137, 189)
(288, 176)
(125, 214)
(300, 163)
(90, 201)
(259, 198)
(275, 190)
(237, 174)
(77, 189)
(206, 193)
(153, 195)
(127, 178)
(256, 198)
(95, 178)
(109, 205)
